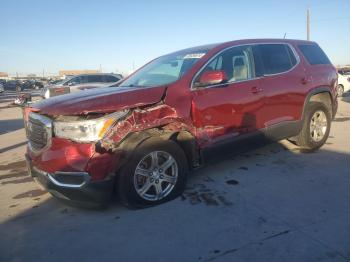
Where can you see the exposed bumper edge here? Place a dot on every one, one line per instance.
(84, 192)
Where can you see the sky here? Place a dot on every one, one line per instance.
(120, 35)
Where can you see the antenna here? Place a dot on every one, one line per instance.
(284, 37)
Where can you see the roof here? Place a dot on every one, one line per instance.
(206, 48)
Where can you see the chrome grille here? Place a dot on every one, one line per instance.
(39, 132)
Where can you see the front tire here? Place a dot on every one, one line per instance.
(316, 127)
(155, 173)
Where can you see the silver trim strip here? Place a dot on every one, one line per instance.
(297, 57)
(57, 183)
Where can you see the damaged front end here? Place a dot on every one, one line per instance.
(93, 145)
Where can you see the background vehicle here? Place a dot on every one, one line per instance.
(144, 136)
(22, 99)
(343, 84)
(344, 72)
(78, 83)
(32, 84)
(14, 85)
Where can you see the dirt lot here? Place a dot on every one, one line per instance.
(272, 203)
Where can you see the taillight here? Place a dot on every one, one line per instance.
(60, 90)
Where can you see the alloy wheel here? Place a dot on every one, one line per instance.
(318, 126)
(155, 176)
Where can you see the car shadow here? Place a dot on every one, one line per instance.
(8, 148)
(346, 98)
(10, 125)
(277, 171)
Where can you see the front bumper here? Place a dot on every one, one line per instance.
(74, 187)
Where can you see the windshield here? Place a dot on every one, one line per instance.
(164, 70)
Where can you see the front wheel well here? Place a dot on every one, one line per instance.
(184, 139)
(188, 144)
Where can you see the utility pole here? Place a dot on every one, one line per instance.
(100, 68)
(308, 24)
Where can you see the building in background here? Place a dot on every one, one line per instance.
(4, 75)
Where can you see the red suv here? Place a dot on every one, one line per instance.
(142, 137)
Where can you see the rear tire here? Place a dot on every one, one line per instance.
(316, 127)
(152, 165)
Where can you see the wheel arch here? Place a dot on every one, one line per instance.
(322, 95)
(184, 139)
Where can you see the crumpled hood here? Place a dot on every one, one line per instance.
(99, 100)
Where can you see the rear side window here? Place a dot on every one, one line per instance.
(314, 54)
(94, 78)
(110, 79)
(275, 58)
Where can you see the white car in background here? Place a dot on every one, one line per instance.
(79, 83)
(343, 84)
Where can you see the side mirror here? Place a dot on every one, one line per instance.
(212, 78)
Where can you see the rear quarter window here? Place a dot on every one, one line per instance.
(314, 55)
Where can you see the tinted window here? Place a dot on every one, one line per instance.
(291, 56)
(236, 62)
(84, 79)
(94, 78)
(74, 81)
(314, 54)
(276, 58)
(110, 79)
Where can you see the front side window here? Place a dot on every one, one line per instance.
(275, 58)
(164, 70)
(235, 62)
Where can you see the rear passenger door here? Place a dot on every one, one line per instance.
(283, 82)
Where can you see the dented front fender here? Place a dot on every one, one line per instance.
(161, 117)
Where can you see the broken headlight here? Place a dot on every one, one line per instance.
(90, 130)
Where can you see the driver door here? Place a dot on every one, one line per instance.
(227, 110)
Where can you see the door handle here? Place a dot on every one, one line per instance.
(256, 90)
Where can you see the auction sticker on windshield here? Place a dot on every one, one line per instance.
(197, 55)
